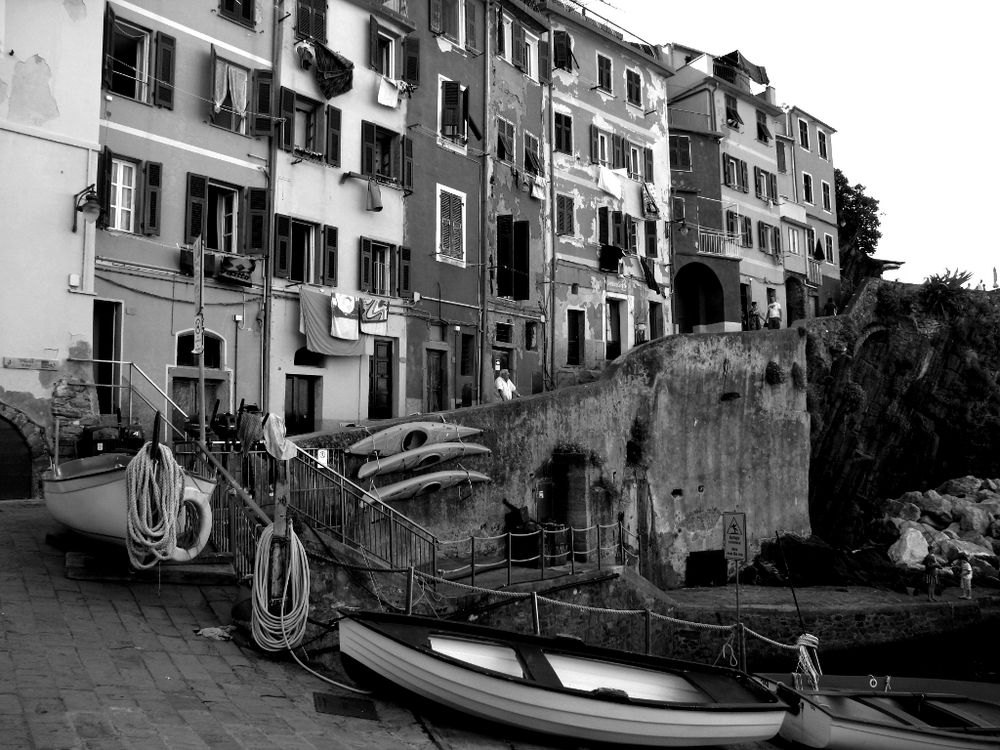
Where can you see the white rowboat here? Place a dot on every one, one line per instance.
(558, 686)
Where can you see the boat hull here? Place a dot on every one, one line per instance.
(404, 437)
(421, 458)
(426, 484)
(839, 719)
(89, 495)
(577, 714)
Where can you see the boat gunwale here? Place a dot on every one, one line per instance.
(517, 641)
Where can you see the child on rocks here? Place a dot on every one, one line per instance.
(965, 574)
(931, 576)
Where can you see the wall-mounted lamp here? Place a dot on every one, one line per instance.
(682, 226)
(87, 203)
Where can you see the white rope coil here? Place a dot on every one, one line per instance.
(155, 492)
(287, 628)
(808, 665)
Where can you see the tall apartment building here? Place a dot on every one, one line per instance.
(610, 173)
(49, 126)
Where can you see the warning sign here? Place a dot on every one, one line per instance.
(734, 535)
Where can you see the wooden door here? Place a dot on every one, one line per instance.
(436, 379)
(300, 404)
(380, 381)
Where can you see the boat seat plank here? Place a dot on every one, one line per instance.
(538, 666)
(885, 706)
(721, 688)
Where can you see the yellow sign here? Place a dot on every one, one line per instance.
(734, 535)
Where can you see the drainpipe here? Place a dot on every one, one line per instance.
(484, 224)
(265, 333)
(548, 216)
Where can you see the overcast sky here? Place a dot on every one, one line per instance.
(910, 89)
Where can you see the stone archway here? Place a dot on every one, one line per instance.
(35, 449)
(700, 300)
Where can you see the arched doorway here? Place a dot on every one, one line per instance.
(699, 299)
(15, 463)
(795, 300)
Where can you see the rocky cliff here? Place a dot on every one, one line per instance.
(902, 395)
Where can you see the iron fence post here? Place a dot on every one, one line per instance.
(472, 539)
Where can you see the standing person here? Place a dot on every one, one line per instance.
(754, 317)
(774, 314)
(931, 576)
(965, 574)
(830, 308)
(505, 386)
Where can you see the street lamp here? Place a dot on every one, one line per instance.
(87, 203)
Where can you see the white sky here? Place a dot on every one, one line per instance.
(910, 88)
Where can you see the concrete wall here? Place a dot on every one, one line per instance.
(690, 413)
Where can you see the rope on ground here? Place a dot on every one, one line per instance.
(284, 630)
(155, 487)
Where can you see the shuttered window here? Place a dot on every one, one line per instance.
(564, 215)
(680, 152)
(333, 120)
(257, 224)
(633, 87)
(163, 83)
(564, 133)
(263, 106)
(451, 210)
(505, 141)
(532, 161)
(326, 264)
(241, 11)
(310, 19)
(604, 73)
(562, 50)
(153, 173)
(651, 238)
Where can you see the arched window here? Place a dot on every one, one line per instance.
(306, 358)
(213, 351)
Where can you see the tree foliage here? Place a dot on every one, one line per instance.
(858, 216)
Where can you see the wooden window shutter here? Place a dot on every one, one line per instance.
(560, 50)
(595, 144)
(405, 283)
(104, 168)
(777, 240)
(392, 263)
(367, 148)
(618, 229)
(333, 120)
(197, 203)
(366, 265)
(411, 60)
(773, 182)
(287, 118)
(603, 225)
(373, 44)
(544, 75)
(631, 234)
(109, 36)
(262, 122)
(257, 215)
(648, 166)
(327, 260)
(744, 176)
(470, 124)
(757, 180)
(501, 39)
(472, 25)
(457, 229)
(303, 18)
(436, 16)
(651, 239)
(522, 265)
(163, 83)
(282, 246)
(517, 42)
(151, 186)
(318, 30)
(406, 146)
(505, 256)
(618, 152)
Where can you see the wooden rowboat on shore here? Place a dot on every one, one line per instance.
(559, 686)
(837, 717)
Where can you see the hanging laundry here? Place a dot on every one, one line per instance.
(314, 322)
(375, 316)
(274, 438)
(609, 182)
(334, 73)
(343, 316)
(649, 207)
(388, 92)
(538, 188)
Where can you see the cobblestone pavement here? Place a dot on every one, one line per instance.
(103, 666)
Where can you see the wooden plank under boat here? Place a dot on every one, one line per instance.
(420, 458)
(89, 496)
(559, 686)
(850, 718)
(405, 437)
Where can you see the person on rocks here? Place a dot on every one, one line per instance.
(931, 576)
(965, 575)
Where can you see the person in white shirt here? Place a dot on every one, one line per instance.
(774, 314)
(505, 386)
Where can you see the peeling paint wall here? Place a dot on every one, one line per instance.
(690, 413)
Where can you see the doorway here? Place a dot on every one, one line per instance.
(380, 380)
(15, 463)
(107, 346)
(437, 379)
(300, 403)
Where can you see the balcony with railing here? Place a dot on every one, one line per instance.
(718, 243)
(683, 119)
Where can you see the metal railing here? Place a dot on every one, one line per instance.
(815, 273)
(718, 243)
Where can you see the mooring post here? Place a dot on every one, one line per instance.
(279, 536)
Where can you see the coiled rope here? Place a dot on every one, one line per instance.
(808, 665)
(155, 489)
(286, 629)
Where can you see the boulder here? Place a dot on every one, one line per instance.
(900, 509)
(934, 537)
(992, 484)
(976, 538)
(986, 494)
(962, 486)
(936, 523)
(958, 504)
(935, 507)
(954, 547)
(911, 548)
(952, 531)
(974, 518)
(990, 506)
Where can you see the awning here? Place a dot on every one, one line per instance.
(314, 322)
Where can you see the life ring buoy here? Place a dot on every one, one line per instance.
(197, 501)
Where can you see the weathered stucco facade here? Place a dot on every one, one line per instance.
(678, 431)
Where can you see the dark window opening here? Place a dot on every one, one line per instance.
(505, 333)
(613, 334)
(306, 358)
(574, 337)
(213, 351)
(129, 51)
(222, 224)
(468, 363)
(531, 336)
(733, 118)
(301, 251)
(680, 152)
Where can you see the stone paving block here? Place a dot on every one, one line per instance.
(189, 665)
(9, 705)
(51, 733)
(105, 743)
(181, 737)
(91, 724)
(78, 699)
